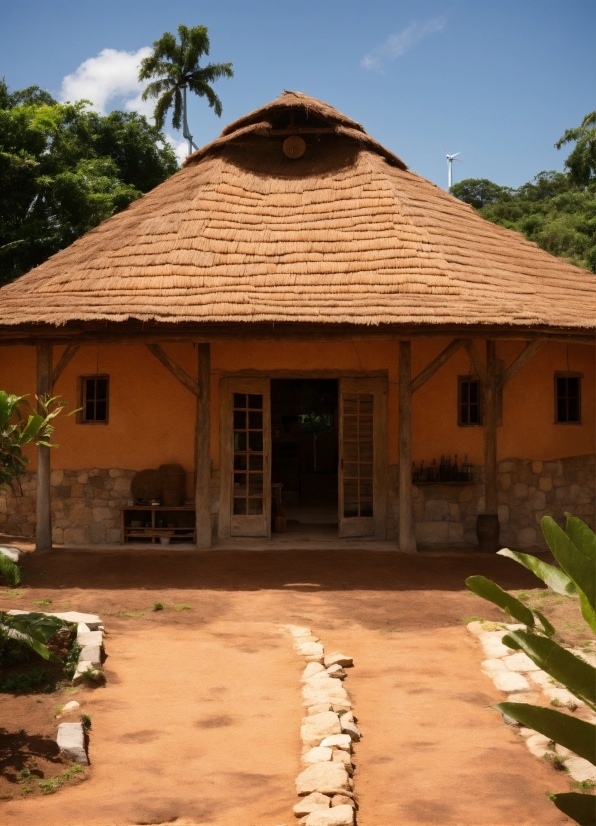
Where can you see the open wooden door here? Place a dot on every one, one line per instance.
(363, 458)
(245, 438)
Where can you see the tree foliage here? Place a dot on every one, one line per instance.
(574, 549)
(174, 67)
(65, 168)
(556, 210)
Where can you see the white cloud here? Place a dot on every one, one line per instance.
(180, 147)
(111, 77)
(397, 44)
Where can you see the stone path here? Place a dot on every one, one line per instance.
(515, 674)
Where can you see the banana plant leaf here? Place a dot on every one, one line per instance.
(487, 589)
(575, 674)
(578, 563)
(581, 535)
(37, 625)
(565, 730)
(555, 578)
(10, 569)
(579, 807)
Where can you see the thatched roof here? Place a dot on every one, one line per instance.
(345, 234)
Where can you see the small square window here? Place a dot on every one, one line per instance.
(93, 399)
(469, 403)
(567, 398)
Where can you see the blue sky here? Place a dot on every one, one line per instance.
(498, 81)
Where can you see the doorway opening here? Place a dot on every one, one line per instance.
(305, 452)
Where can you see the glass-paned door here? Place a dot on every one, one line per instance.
(245, 491)
(363, 458)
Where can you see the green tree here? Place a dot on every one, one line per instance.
(478, 192)
(64, 169)
(175, 67)
(581, 163)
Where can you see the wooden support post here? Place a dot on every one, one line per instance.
(203, 450)
(490, 429)
(407, 541)
(43, 534)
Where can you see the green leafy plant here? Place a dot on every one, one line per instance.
(16, 431)
(575, 551)
(158, 606)
(32, 630)
(86, 721)
(70, 666)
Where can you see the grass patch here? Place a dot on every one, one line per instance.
(556, 761)
(467, 620)
(36, 680)
(182, 607)
(131, 613)
(158, 606)
(12, 593)
(86, 721)
(583, 786)
(52, 784)
(42, 602)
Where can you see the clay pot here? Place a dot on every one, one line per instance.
(487, 531)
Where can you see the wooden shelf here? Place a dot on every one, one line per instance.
(154, 514)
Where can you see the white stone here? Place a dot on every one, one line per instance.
(338, 659)
(90, 638)
(303, 640)
(91, 653)
(492, 645)
(72, 706)
(538, 744)
(324, 690)
(532, 698)
(319, 708)
(338, 741)
(337, 704)
(510, 681)
(336, 816)
(541, 678)
(318, 726)
(347, 716)
(322, 777)
(311, 651)
(311, 803)
(342, 800)
(340, 756)
(492, 667)
(299, 631)
(564, 697)
(348, 727)
(84, 669)
(83, 628)
(310, 671)
(336, 671)
(318, 754)
(10, 551)
(580, 769)
(520, 662)
(71, 742)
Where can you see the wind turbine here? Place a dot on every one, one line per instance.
(450, 159)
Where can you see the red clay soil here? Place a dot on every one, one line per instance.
(199, 720)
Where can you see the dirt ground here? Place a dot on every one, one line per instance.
(199, 719)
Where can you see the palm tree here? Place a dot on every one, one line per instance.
(176, 67)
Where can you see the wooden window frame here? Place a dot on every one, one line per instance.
(567, 374)
(81, 399)
(479, 423)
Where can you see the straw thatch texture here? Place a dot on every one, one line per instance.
(345, 234)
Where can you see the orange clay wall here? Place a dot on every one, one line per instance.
(152, 414)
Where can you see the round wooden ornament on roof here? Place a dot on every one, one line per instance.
(294, 146)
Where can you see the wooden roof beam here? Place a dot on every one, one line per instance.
(174, 369)
(477, 362)
(532, 347)
(436, 363)
(65, 359)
